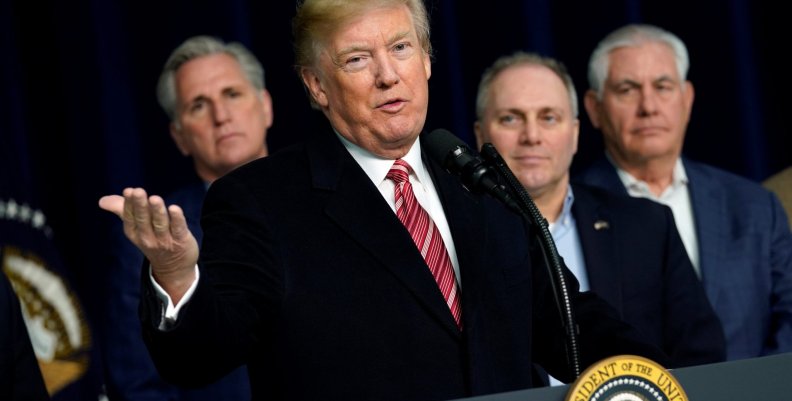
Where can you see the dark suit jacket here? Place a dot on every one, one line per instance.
(130, 374)
(635, 260)
(309, 277)
(20, 377)
(745, 249)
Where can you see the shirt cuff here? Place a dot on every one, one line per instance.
(170, 312)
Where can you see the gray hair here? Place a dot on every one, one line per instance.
(517, 59)
(628, 36)
(200, 46)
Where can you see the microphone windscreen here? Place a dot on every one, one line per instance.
(439, 144)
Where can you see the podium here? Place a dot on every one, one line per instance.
(767, 378)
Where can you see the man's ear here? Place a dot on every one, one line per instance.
(427, 61)
(176, 133)
(689, 95)
(592, 104)
(313, 83)
(576, 134)
(266, 107)
(479, 134)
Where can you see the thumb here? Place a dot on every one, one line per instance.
(112, 203)
(178, 223)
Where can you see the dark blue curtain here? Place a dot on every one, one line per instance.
(33, 211)
(79, 119)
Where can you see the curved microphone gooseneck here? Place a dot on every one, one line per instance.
(549, 252)
(476, 175)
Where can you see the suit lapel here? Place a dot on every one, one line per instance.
(707, 201)
(599, 247)
(357, 207)
(603, 174)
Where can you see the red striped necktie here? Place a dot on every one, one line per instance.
(426, 236)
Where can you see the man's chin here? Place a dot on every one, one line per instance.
(401, 134)
(404, 123)
(652, 152)
(533, 183)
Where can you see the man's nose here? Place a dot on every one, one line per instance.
(220, 113)
(530, 133)
(647, 104)
(387, 74)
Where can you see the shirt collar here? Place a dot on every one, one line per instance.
(565, 218)
(376, 168)
(678, 176)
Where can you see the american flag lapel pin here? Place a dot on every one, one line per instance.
(600, 225)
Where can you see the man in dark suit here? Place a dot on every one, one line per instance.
(20, 377)
(626, 250)
(735, 232)
(307, 272)
(213, 92)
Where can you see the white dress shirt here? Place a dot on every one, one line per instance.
(677, 197)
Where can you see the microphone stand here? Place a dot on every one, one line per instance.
(529, 212)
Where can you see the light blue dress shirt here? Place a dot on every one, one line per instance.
(567, 241)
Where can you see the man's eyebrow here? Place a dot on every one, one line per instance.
(510, 110)
(664, 78)
(196, 98)
(336, 58)
(232, 88)
(397, 37)
(354, 48)
(629, 81)
(626, 81)
(558, 109)
(351, 49)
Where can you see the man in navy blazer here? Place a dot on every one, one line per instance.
(214, 94)
(734, 231)
(624, 249)
(307, 274)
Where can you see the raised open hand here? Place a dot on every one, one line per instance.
(161, 233)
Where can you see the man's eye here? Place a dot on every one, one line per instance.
(403, 50)
(196, 107)
(625, 89)
(665, 87)
(550, 118)
(508, 119)
(354, 63)
(355, 60)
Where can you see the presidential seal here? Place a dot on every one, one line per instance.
(626, 378)
(53, 315)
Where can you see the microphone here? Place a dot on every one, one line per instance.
(455, 156)
(476, 176)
